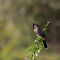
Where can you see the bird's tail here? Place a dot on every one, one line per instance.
(45, 44)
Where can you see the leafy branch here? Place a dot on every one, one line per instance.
(37, 45)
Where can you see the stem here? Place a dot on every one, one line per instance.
(32, 57)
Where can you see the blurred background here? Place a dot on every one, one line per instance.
(16, 32)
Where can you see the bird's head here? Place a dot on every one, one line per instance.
(35, 27)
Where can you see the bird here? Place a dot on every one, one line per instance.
(39, 32)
